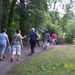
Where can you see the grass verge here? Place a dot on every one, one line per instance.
(58, 61)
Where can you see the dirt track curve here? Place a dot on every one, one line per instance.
(7, 65)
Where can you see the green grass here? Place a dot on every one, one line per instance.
(59, 61)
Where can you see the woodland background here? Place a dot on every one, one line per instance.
(25, 14)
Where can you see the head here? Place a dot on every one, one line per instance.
(46, 29)
(36, 31)
(17, 30)
(4, 30)
(33, 30)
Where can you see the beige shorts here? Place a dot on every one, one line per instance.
(53, 40)
(16, 49)
(46, 43)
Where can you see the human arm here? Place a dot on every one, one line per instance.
(49, 37)
(28, 40)
(12, 40)
(7, 40)
(23, 37)
(43, 37)
(21, 41)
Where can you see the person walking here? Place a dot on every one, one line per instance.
(16, 45)
(3, 40)
(32, 39)
(54, 40)
(38, 39)
(47, 39)
(43, 37)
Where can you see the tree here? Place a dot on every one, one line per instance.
(11, 12)
(22, 16)
(0, 13)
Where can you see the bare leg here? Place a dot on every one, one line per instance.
(46, 47)
(18, 57)
(13, 56)
(1, 56)
(54, 44)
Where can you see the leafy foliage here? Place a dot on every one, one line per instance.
(35, 13)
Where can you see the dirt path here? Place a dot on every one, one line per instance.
(7, 65)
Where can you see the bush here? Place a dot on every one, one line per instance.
(60, 39)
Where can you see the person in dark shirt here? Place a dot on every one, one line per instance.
(43, 36)
(32, 39)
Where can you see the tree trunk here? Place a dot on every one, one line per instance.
(0, 13)
(11, 12)
(22, 19)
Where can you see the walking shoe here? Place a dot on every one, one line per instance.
(38, 45)
(18, 59)
(1, 60)
(31, 53)
(3, 56)
(44, 47)
(11, 59)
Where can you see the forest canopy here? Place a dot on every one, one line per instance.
(54, 15)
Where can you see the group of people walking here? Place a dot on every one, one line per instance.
(17, 43)
(47, 38)
(33, 38)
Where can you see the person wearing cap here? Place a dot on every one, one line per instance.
(32, 39)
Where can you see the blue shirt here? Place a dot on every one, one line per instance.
(33, 36)
(3, 39)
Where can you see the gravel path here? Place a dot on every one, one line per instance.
(7, 65)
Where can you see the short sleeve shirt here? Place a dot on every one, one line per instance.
(47, 36)
(53, 36)
(33, 36)
(3, 39)
(16, 39)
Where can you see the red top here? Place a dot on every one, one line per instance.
(53, 36)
